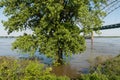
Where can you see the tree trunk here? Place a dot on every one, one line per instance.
(60, 56)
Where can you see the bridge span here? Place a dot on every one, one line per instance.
(111, 26)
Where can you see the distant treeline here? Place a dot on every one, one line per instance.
(85, 37)
(106, 36)
(8, 36)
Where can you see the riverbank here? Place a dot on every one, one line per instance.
(12, 68)
(88, 37)
(8, 36)
(106, 36)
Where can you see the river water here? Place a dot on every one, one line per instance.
(77, 63)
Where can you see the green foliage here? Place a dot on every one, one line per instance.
(112, 68)
(54, 24)
(93, 76)
(25, 43)
(12, 69)
(108, 70)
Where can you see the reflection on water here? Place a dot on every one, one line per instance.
(65, 70)
(78, 63)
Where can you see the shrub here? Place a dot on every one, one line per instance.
(108, 70)
(93, 76)
(112, 68)
(13, 69)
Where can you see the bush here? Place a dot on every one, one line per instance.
(108, 70)
(93, 76)
(12, 69)
(112, 68)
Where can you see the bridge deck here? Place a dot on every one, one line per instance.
(108, 27)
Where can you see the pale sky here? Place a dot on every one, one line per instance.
(3, 32)
(112, 18)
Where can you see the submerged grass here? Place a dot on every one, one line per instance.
(107, 70)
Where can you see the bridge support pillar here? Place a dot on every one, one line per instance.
(92, 37)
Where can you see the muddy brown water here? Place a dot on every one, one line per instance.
(79, 63)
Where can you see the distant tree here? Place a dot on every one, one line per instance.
(54, 24)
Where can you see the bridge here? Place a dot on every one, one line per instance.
(112, 26)
(112, 5)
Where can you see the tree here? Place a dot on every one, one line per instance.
(54, 24)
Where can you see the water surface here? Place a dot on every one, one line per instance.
(77, 63)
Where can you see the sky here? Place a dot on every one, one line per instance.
(3, 32)
(112, 18)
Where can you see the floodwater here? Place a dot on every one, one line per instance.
(80, 63)
(77, 63)
(5, 47)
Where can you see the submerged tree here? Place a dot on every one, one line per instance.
(54, 24)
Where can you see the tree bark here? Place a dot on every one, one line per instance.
(60, 56)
